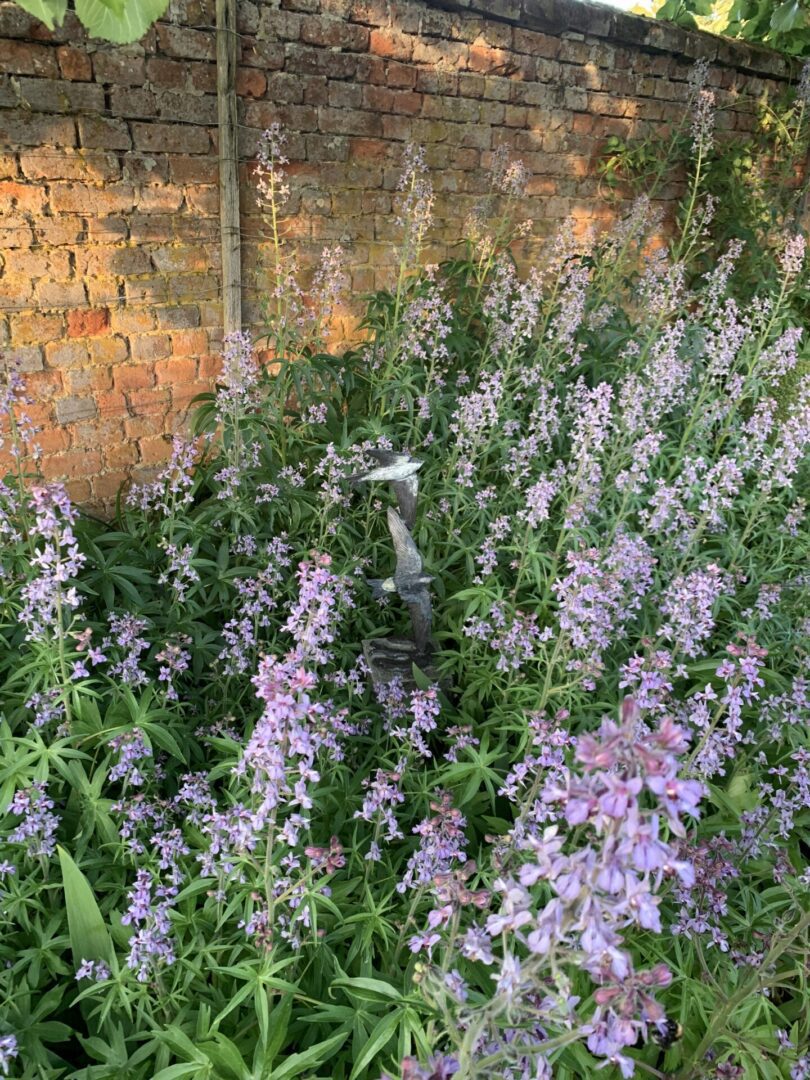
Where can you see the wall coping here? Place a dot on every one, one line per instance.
(584, 17)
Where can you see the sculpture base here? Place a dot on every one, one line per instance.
(393, 658)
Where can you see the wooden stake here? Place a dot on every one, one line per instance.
(227, 53)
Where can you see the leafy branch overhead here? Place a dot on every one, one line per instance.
(780, 24)
(119, 21)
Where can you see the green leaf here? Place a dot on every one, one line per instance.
(297, 1064)
(382, 1034)
(89, 937)
(135, 19)
(174, 1072)
(369, 989)
(787, 17)
(51, 12)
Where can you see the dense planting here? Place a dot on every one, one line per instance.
(583, 845)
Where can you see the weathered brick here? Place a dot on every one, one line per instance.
(71, 409)
(66, 354)
(166, 74)
(35, 329)
(87, 380)
(147, 347)
(18, 129)
(107, 486)
(154, 450)
(334, 33)
(69, 164)
(115, 457)
(119, 68)
(56, 294)
(108, 350)
(190, 109)
(174, 138)
(80, 198)
(24, 58)
(52, 96)
(178, 318)
(133, 102)
(28, 198)
(28, 358)
(183, 42)
(101, 133)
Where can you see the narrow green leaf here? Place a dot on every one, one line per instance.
(89, 937)
(377, 1040)
(297, 1064)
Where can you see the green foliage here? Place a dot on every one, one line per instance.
(119, 21)
(783, 25)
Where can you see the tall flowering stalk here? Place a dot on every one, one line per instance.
(628, 808)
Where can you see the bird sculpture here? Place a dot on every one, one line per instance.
(400, 470)
(409, 582)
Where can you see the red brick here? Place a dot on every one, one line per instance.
(189, 343)
(250, 83)
(108, 485)
(73, 464)
(28, 198)
(79, 491)
(88, 323)
(391, 43)
(134, 377)
(176, 371)
(74, 64)
(210, 367)
(155, 449)
(124, 453)
(53, 440)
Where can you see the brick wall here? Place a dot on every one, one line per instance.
(109, 230)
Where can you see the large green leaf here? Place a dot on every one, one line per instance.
(135, 19)
(50, 11)
(787, 17)
(89, 937)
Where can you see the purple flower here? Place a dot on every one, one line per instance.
(37, 830)
(8, 1051)
(441, 843)
(314, 616)
(151, 946)
(93, 969)
(48, 597)
(131, 748)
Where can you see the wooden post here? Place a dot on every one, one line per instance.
(227, 54)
